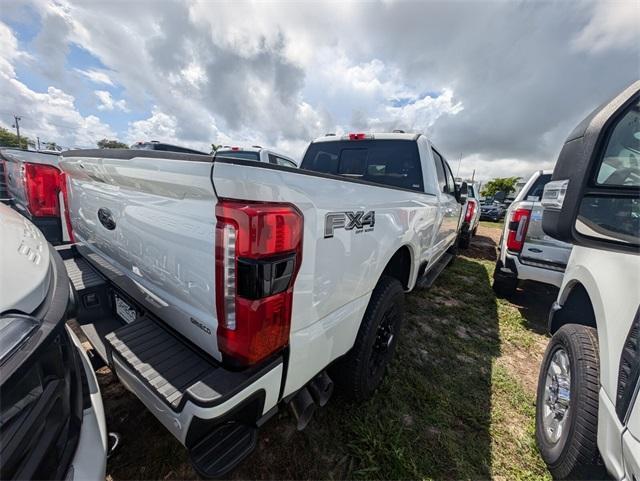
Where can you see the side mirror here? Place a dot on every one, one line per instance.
(594, 197)
(462, 193)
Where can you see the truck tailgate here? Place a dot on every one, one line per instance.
(148, 223)
(540, 249)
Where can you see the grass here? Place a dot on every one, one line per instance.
(492, 225)
(458, 400)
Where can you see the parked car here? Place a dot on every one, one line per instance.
(525, 252)
(53, 424)
(224, 289)
(471, 217)
(587, 410)
(256, 153)
(164, 147)
(36, 188)
(494, 211)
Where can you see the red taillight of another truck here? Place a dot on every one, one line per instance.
(471, 209)
(258, 254)
(517, 229)
(46, 191)
(42, 185)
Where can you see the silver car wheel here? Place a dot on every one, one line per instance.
(557, 396)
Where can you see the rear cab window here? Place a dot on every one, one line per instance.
(239, 154)
(394, 163)
(535, 192)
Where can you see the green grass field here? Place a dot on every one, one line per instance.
(457, 402)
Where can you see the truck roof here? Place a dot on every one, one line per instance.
(377, 135)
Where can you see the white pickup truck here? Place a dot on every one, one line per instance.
(219, 289)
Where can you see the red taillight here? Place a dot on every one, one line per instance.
(517, 229)
(359, 136)
(42, 184)
(471, 209)
(258, 254)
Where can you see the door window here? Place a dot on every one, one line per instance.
(611, 209)
(442, 178)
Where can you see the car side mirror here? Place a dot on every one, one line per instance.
(462, 193)
(594, 197)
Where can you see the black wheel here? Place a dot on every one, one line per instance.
(360, 371)
(504, 286)
(465, 240)
(567, 404)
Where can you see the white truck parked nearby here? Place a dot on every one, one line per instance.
(525, 252)
(588, 410)
(52, 418)
(219, 289)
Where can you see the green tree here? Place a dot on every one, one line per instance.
(214, 147)
(111, 144)
(500, 184)
(9, 139)
(51, 146)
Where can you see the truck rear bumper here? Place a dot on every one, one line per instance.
(189, 392)
(527, 271)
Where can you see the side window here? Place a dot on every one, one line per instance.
(535, 193)
(442, 178)
(451, 185)
(620, 164)
(285, 162)
(611, 209)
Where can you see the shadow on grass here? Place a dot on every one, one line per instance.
(534, 300)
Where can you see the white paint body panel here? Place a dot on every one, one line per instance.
(24, 263)
(612, 281)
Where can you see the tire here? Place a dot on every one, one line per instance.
(361, 370)
(504, 286)
(570, 451)
(475, 231)
(465, 240)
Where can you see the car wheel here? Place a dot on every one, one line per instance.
(361, 370)
(465, 240)
(504, 286)
(567, 404)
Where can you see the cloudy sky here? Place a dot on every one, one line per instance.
(498, 84)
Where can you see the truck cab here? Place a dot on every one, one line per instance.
(587, 409)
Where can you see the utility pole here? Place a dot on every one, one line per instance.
(459, 162)
(17, 126)
(38, 138)
(473, 176)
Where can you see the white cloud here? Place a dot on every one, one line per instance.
(96, 76)
(50, 115)
(499, 82)
(107, 102)
(613, 24)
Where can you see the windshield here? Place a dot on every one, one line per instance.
(388, 162)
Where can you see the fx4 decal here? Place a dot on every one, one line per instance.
(359, 220)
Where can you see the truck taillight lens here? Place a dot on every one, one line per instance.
(471, 209)
(258, 254)
(517, 229)
(42, 184)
